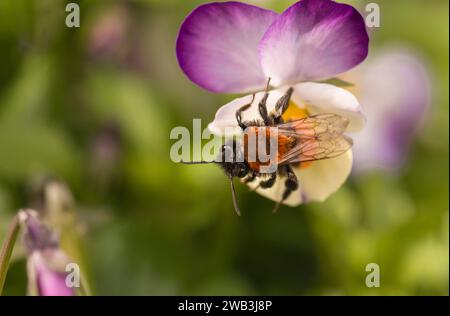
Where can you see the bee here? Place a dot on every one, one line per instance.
(299, 141)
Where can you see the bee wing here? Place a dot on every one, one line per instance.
(320, 126)
(317, 137)
(314, 149)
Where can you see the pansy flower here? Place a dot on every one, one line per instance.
(395, 88)
(46, 261)
(232, 47)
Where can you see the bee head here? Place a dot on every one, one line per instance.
(231, 161)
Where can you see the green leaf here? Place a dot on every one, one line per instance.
(337, 82)
(6, 250)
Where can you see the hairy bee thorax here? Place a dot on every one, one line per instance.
(264, 146)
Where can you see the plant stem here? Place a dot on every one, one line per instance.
(7, 248)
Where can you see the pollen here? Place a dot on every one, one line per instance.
(294, 112)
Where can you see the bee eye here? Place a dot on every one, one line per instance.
(227, 153)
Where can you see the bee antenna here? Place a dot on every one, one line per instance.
(233, 194)
(268, 84)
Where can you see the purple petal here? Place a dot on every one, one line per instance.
(52, 283)
(395, 90)
(46, 273)
(36, 234)
(217, 46)
(313, 40)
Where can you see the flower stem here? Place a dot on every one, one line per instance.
(7, 248)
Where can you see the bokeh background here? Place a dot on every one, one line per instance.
(89, 110)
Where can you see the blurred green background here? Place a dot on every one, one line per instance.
(93, 107)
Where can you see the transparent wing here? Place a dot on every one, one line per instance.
(320, 126)
(316, 137)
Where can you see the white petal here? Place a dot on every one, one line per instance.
(316, 183)
(226, 115)
(317, 97)
(326, 98)
(325, 177)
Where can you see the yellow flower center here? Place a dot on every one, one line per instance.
(294, 112)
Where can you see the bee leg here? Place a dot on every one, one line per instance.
(281, 107)
(256, 188)
(269, 182)
(266, 183)
(263, 108)
(250, 177)
(239, 113)
(291, 184)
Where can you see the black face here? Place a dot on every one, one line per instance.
(230, 162)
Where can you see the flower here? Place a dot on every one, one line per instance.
(395, 90)
(46, 262)
(319, 179)
(109, 33)
(233, 47)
